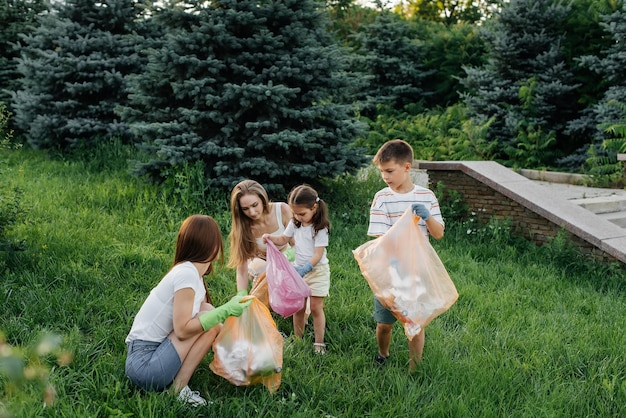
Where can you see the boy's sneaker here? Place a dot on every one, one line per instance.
(380, 359)
(191, 397)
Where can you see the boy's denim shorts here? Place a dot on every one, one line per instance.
(383, 315)
(152, 366)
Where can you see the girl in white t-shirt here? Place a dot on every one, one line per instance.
(309, 228)
(177, 323)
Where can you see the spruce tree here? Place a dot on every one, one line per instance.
(586, 38)
(392, 58)
(73, 70)
(610, 65)
(525, 86)
(250, 89)
(17, 17)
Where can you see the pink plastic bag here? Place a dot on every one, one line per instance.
(406, 275)
(249, 349)
(287, 290)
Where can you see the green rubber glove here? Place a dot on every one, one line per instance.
(218, 315)
(290, 253)
(242, 292)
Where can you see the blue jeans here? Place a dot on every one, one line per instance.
(151, 365)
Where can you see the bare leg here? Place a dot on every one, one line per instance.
(197, 351)
(307, 310)
(192, 351)
(298, 322)
(383, 338)
(416, 349)
(319, 318)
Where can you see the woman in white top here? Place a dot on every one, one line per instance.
(252, 216)
(177, 323)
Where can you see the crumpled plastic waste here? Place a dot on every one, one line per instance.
(249, 348)
(406, 275)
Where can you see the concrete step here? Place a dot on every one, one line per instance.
(603, 204)
(618, 218)
(555, 177)
(610, 204)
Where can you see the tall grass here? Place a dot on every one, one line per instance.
(536, 332)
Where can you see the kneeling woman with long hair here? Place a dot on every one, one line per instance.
(177, 323)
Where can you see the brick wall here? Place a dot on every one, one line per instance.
(487, 204)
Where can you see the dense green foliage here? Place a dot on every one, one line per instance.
(449, 12)
(603, 164)
(281, 92)
(11, 210)
(393, 59)
(74, 67)
(448, 50)
(535, 332)
(525, 85)
(17, 17)
(447, 135)
(609, 67)
(249, 89)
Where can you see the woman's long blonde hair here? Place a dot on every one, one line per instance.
(242, 243)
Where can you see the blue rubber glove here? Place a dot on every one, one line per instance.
(218, 315)
(421, 211)
(302, 271)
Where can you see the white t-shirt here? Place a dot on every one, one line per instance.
(306, 243)
(388, 206)
(155, 319)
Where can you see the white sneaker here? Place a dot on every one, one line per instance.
(191, 397)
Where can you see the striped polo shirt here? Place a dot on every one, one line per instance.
(388, 206)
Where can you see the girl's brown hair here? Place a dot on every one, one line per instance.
(306, 196)
(242, 243)
(199, 240)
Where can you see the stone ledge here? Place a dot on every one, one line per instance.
(555, 177)
(594, 230)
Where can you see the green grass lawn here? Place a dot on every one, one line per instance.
(536, 331)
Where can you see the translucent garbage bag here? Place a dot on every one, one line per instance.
(249, 349)
(260, 290)
(406, 275)
(287, 290)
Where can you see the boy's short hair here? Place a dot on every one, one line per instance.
(396, 150)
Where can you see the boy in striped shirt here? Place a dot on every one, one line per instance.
(394, 160)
